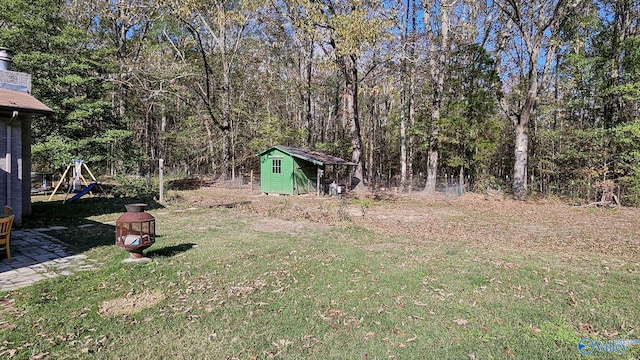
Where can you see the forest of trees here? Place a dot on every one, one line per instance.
(533, 96)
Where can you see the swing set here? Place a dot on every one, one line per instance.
(77, 180)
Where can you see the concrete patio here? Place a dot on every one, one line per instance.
(37, 256)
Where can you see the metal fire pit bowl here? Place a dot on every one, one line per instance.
(135, 231)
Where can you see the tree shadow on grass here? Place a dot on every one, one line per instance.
(30, 247)
(169, 251)
(56, 229)
(70, 223)
(49, 213)
(86, 236)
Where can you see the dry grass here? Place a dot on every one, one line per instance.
(541, 226)
(131, 303)
(241, 275)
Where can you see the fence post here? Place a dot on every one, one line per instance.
(161, 180)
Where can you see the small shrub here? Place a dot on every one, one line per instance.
(134, 186)
(364, 203)
(484, 182)
(343, 213)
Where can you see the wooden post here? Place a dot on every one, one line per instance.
(318, 176)
(251, 180)
(64, 175)
(161, 179)
(89, 171)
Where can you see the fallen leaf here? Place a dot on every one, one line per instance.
(585, 327)
(412, 339)
(509, 352)
(461, 322)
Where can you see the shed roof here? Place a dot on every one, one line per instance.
(11, 100)
(315, 157)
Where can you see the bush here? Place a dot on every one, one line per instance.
(134, 186)
(485, 181)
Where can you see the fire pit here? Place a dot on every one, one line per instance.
(135, 231)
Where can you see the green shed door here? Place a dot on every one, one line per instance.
(277, 174)
(276, 183)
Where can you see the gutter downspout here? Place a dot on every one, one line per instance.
(8, 165)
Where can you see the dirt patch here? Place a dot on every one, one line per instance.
(130, 304)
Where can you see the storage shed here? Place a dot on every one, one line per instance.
(290, 170)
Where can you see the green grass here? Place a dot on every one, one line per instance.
(228, 289)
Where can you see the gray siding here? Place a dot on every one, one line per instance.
(19, 173)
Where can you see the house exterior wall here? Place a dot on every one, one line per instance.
(18, 174)
(26, 165)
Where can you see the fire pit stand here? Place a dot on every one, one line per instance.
(135, 231)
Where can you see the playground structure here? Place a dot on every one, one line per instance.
(76, 182)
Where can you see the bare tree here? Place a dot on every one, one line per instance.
(217, 31)
(526, 51)
(438, 14)
(343, 29)
(408, 25)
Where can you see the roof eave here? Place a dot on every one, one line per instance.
(317, 162)
(33, 111)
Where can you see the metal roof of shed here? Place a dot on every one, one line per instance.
(316, 157)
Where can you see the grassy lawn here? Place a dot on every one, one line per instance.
(242, 276)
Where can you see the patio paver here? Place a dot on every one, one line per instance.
(37, 256)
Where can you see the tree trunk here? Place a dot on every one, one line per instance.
(520, 165)
(403, 145)
(437, 61)
(308, 116)
(406, 121)
(407, 89)
(411, 138)
(538, 24)
(225, 161)
(350, 71)
(210, 141)
(432, 155)
(225, 154)
(521, 123)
